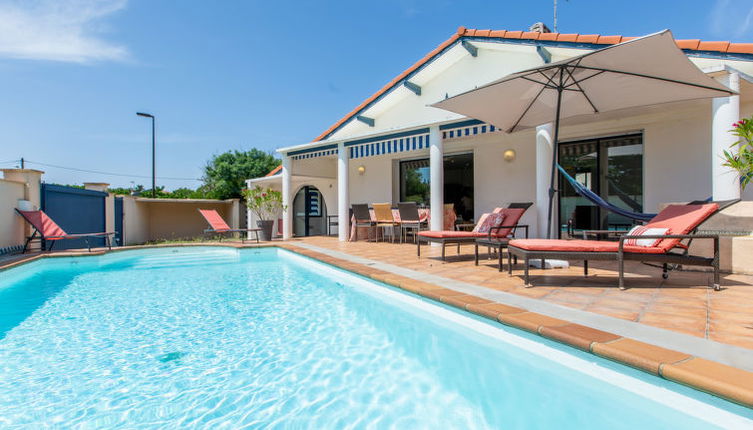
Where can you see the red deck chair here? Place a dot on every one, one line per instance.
(217, 225)
(680, 222)
(48, 230)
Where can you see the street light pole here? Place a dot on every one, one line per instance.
(154, 186)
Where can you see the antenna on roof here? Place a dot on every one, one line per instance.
(555, 16)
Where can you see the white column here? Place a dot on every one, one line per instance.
(544, 148)
(343, 202)
(436, 178)
(287, 214)
(725, 183)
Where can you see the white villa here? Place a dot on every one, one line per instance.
(394, 147)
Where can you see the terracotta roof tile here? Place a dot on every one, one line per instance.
(688, 43)
(567, 37)
(587, 38)
(548, 36)
(274, 171)
(741, 48)
(691, 44)
(713, 46)
(609, 40)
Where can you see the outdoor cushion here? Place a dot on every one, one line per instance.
(642, 230)
(487, 221)
(46, 226)
(214, 219)
(562, 245)
(450, 234)
(512, 216)
(681, 219)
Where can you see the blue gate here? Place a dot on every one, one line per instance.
(75, 210)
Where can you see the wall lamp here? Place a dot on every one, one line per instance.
(509, 155)
(361, 169)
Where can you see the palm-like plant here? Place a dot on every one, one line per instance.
(742, 159)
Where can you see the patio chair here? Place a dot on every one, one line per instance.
(362, 218)
(659, 241)
(499, 224)
(217, 225)
(410, 220)
(385, 219)
(45, 229)
(499, 237)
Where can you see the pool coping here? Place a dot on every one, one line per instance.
(721, 380)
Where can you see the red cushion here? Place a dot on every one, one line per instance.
(562, 245)
(512, 216)
(448, 234)
(681, 219)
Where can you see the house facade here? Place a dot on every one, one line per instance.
(395, 147)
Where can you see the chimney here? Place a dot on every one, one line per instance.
(539, 27)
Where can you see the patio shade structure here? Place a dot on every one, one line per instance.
(645, 71)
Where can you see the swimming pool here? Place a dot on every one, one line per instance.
(265, 338)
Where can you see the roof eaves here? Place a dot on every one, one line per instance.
(574, 40)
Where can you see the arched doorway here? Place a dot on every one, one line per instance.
(309, 212)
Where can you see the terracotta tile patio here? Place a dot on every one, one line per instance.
(682, 303)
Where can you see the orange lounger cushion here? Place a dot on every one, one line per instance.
(448, 234)
(681, 219)
(557, 245)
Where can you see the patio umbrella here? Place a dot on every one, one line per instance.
(644, 71)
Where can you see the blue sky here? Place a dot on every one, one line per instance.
(222, 75)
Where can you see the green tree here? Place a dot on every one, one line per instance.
(225, 174)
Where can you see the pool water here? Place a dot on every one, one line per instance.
(224, 338)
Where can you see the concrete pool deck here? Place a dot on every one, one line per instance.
(554, 308)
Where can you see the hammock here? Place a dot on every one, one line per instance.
(598, 201)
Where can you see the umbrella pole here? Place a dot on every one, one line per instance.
(555, 154)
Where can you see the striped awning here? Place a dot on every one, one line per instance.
(414, 140)
(389, 146)
(314, 154)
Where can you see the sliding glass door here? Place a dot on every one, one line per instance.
(610, 167)
(458, 183)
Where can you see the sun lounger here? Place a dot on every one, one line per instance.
(500, 224)
(47, 230)
(665, 239)
(217, 225)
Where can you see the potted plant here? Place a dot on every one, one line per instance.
(266, 203)
(742, 159)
